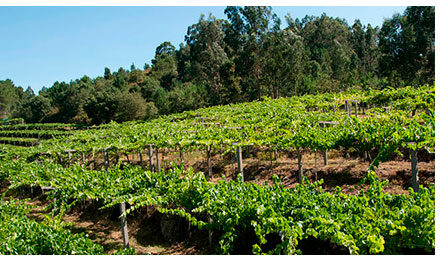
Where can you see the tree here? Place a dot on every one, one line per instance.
(68, 99)
(160, 97)
(107, 73)
(283, 62)
(151, 111)
(101, 106)
(328, 41)
(246, 34)
(165, 65)
(148, 87)
(407, 44)
(35, 109)
(130, 106)
(8, 97)
(185, 96)
(205, 41)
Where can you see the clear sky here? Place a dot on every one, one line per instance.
(41, 45)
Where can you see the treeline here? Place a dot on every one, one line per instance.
(243, 58)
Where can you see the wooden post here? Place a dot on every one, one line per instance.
(349, 108)
(157, 160)
(276, 154)
(181, 154)
(315, 170)
(414, 171)
(69, 155)
(324, 124)
(150, 157)
(124, 228)
(140, 157)
(208, 152)
(116, 156)
(300, 170)
(128, 158)
(106, 161)
(240, 162)
(356, 108)
(83, 158)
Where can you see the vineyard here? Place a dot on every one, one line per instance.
(200, 172)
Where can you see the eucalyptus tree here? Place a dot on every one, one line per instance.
(407, 44)
(164, 66)
(206, 45)
(246, 33)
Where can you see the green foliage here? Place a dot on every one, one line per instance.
(101, 106)
(36, 109)
(130, 107)
(21, 236)
(12, 98)
(407, 44)
(283, 123)
(372, 222)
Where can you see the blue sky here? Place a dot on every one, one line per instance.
(41, 45)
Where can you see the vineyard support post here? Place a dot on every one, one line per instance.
(106, 161)
(208, 151)
(157, 160)
(124, 228)
(414, 171)
(315, 170)
(127, 156)
(150, 157)
(324, 124)
(124, 225)
(69, 154)
(140, 157)
(300, 170)
(349, 108)
(181, 154)
(83, 158)
(117, 156)
(240, 163)
(356, 108)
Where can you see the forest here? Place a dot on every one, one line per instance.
(249, 56)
